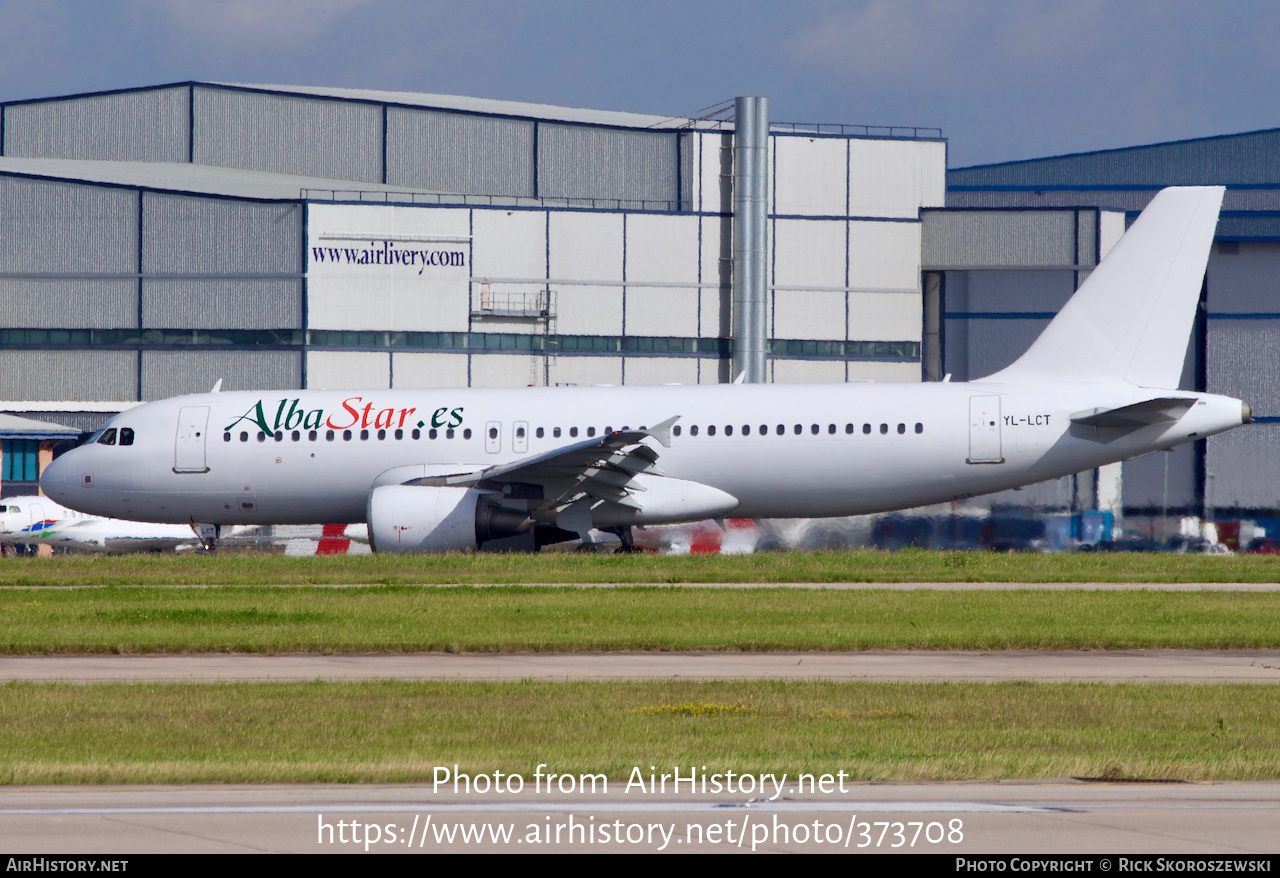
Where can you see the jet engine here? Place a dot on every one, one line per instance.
(414, 518)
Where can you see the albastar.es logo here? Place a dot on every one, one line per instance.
(291, 415)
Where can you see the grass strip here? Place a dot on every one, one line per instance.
(910, 565)
(390, 732)
(391, 619)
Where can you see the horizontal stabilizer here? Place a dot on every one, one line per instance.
(1164, 410)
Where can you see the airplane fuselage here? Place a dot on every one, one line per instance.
(287, 457)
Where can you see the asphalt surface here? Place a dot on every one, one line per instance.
(1040, 817)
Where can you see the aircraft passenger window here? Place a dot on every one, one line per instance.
(693, 431)
(573, 431)
(675, 431)
(902, 428)
(799, 429)
(764, 429)
(591, 431)
(866, 428)
(711, 431)
(540, 433)
(884, 428)
(226, 437)
(432, 433)
(466, 434)
(328, 435)
(382, 434)
(262, 437)
(364, 434)
(493, 432)
(399, 434)
(781, 429)
(848, 428)
(555, 431)
(728, 430)
(416, 434)
(295, 436)
(279, 437)
(108, 437)
(311, 436)
(814, 429)
(244, 436)
(346, 435)
(919, 428)
(448, 434)
(831, 428)
(746, 429)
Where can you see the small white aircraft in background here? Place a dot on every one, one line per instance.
(31, 520)
(494, 468)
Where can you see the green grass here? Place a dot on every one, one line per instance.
(484, 568)
(398, 732)
(389, 619)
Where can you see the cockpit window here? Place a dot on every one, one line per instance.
(108, 436)
(126, 435)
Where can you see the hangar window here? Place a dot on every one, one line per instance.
(848, 428)
(295, 436)
(244, 436)
(711, 431)
(884, 428)
(466, 434)
(902, 428)
(573, 431)
(311, 436)
(919, 428)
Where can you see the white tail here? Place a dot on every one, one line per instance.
(1133, 316)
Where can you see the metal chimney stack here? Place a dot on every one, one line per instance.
(750, 238)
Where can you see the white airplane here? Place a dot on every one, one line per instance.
(439, 469)
(31, 519)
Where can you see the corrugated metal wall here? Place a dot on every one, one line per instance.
(1240, 158)
(170, 373)
(339, 140)
(140, 126)
(576, 161)
(63, 228)
(69, 375)
(458, 152)
(1244, 362)
(955, 239)
(1008, 291)
(976, 348)
(1145, 480)
(1245, 468)
(211, 236)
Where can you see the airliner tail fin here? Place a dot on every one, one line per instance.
(1133, 316)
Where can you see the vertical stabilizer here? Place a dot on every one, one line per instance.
(1133, 316)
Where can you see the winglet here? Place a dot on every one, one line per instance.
(217, 388)
(662, 432)
(741, 379)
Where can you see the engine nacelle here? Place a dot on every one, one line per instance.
(413, 518)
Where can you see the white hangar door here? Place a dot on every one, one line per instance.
(984, 430)
(189, 446)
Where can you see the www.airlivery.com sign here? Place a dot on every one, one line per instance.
(387, 268)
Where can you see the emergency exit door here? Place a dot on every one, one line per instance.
(984, 430)
(189, 446)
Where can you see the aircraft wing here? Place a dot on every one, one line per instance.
(603, 468)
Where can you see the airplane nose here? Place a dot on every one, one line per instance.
(55, 481)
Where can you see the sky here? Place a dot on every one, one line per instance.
(1003, 79)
